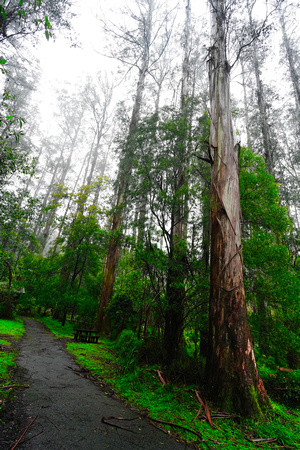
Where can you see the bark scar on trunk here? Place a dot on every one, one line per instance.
(222, 203)
(227, 264)
(230, 290)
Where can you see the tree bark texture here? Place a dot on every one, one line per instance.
(231, 368)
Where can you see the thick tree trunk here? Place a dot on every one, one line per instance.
(231, 368)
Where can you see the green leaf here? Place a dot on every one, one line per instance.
(2, 60)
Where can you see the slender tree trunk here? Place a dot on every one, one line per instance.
(245, 104)
(102, 324)
(268, 150)
(68, 206)
(231, 368)
(294, 75)
(175, 290)
(85, 178)
(62, 178)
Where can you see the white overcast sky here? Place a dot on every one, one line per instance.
(62, 63)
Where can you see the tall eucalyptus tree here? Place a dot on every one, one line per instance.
(138, 51)
(231, 367)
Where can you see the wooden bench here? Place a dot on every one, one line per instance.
(88, 336)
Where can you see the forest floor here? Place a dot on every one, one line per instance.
(65, 409)
(68, 405)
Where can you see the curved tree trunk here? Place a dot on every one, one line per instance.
(231, 368)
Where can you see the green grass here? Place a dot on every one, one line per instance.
(11, 330)
(99, 359)
(6, 363)
(178, 404)
(56, 327)
(14, 328)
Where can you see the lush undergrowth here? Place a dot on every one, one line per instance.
(10, 332)
(56, 328)
(144, 388)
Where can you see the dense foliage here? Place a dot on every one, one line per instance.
(57, 232)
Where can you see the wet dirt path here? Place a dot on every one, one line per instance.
(69, 408)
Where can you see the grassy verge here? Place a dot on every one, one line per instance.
(10, 332)
(56, 328)
(143, 388)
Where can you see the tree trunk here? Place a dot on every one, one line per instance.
(102, 323)
(175, 290)
(125, 170)
(246, 105)
(268, 148)
(291, 62)
(124, 174)
(231, 368)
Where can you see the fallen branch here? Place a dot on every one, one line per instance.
(35, 435)
(158, 428)
(18, 441)
(205, 407)
(105, 420)
(161, 378)
(13, 386)
(175, 425)
(32, 437)
(261, 441)
(171, 424)
(283, 369)
(83, 373)
(217, 415)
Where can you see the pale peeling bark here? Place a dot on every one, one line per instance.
(231, 368)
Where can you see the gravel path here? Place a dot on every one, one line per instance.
(69, 408)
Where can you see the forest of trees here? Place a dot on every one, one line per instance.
(168, 208)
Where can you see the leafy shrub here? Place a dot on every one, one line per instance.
(127, 347)
(120, 312)
(282, 384)
(284, 387)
